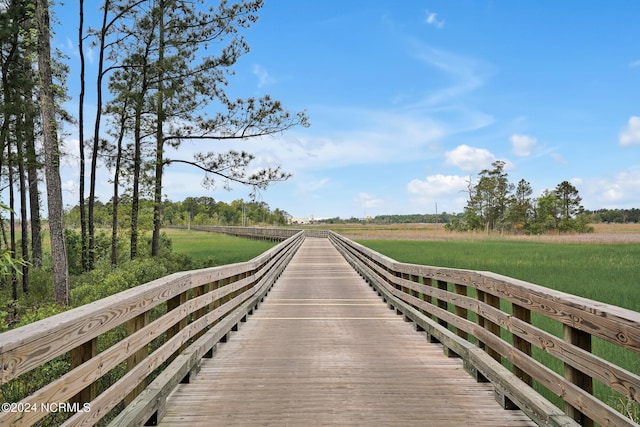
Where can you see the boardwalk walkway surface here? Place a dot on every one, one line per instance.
(323, 349)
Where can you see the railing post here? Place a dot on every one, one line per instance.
(426, 297)
(493, 328)
(442, 285)
(220, 301)
(581, 340)
(461, 311)
(415, 279)
(79, 355)
(197, 292)
(521, 344)
(173, 304)
(133, 326)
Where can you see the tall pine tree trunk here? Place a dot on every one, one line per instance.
(83, 210)
(96, 137)
(24, 239)
(31, 163)
(51, 157)
(116, 185)
(157, 205)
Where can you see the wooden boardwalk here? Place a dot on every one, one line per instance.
(323, 349)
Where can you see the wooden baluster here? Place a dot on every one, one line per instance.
(521, 344)
(405, 276)
(79, 355)
(197, 292)
(461, 311)
(433, 300)
(480, 295)
(582, 340)
(216, 303)
(442, 285)
(133, 326)
(426, 297)
(221, 284)
(494, 328)
(173, 304)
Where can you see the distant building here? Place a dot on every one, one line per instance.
(293, 221)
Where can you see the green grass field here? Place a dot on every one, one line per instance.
(220, 248)
(608, 273)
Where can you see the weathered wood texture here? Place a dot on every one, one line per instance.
(189, 312)
(409, 288)
(323, 349)
(258, 233)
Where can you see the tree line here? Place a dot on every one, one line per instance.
(162, 72)
(619, 216)
(191, 211)
(440, 218)
(495, 204)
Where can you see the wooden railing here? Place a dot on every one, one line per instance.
(486, 319)
(260, 233)
(171, 323)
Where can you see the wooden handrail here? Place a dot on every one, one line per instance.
(192, 302)
(421, 294)
(258, 233)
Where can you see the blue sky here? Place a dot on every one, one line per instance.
(410, 99)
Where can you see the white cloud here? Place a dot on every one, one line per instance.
(447, 191)
(438, 185)
(523, 145)
(264, 78)
(366, 200)
(432, 19)
(631, 134)
(311, 186)
(469, 159)
(376, 137)
(467, 73)
(634, 64)
(616, 191)
(69, 186)
(558, 158)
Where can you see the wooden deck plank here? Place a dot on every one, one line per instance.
(323, 349)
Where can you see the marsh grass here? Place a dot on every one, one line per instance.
(217, 248)
(608, 273)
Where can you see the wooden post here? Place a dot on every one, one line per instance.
(405, 276)
(494, 328)
(215, 304)
(521, 344)
(415, 279)
(442, 285)
(480, 319)
(79, 355)
(426, 297)
(133, 326)
(173, 304)
(461, 311)
(197, 292)
(581, 340)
